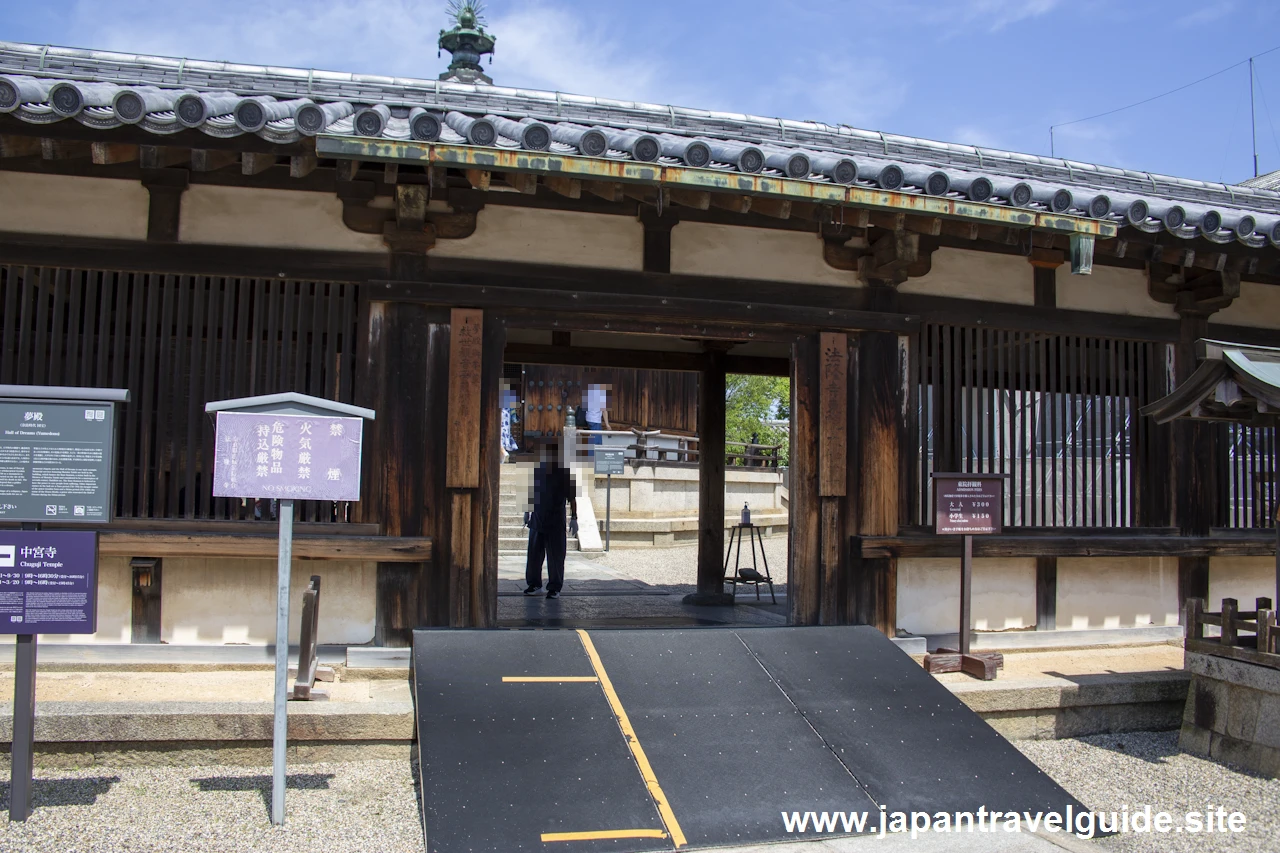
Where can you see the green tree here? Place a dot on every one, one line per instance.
(750, 403)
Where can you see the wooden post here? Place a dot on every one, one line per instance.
(832, 469)
(1230, 613)
(804, 578)
(966, 594)
(462, 466)
(404, 379)
(711, 426)
(1196, 458)
(881, 426)
(1046, 593)
(484, 524)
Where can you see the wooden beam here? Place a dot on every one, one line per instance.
(162, 156)
(110, 153)
(525, 183)
(485, 515)
(777, 208)
(604, 189)
(696, 199)
(211, 160)
(301, 165)
(479, 178)
(256, 164)
(146, 543)
(731, 202)
(346, 170)
(19, 146)
(567, 187)
(1078, 543)
(64, 149)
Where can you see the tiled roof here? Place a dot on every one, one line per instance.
(1269, 181)
(42, 84)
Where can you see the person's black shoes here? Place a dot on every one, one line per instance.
(553, 594)
(533, 590)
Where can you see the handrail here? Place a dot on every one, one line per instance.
(685, 449)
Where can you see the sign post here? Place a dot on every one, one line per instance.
(609, 461)
(967, 505)
(56, 465)
(287, 447)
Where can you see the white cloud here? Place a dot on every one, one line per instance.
(991, 15)
(1207, 15)
(862, 92)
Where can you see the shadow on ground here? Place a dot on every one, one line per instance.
(70, 791)
(262, 784)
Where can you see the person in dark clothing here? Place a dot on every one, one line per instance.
(552, 489)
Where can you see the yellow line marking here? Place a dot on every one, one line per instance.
(637, 751)
(603, 834)
(509, 679)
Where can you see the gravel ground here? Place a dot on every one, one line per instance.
(372, 805)
(1106, 772)
(349, 806)
(679, 565)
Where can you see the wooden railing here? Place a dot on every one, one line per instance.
(1249, 635)
(686, 450)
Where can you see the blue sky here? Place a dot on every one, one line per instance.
(986, 72)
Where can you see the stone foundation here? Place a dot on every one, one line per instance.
(1232, 713)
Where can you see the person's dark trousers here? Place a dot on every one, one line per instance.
(551, 544)
(595, 439)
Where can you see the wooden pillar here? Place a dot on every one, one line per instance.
(832, 472)
(804, 532)
(462, 466)
(405, 355)
(711, 426)
(1196, 455)
(1044, 265)
(484, 530)
(882, 369)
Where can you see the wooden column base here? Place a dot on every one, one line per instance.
(982, 665)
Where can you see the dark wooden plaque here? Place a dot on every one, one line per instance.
(463, 465)
(967, 504)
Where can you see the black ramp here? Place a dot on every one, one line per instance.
(728, 748)
(502, 763)
(908, 739)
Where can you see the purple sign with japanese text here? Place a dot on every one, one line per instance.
(301, 457)
(48, 582)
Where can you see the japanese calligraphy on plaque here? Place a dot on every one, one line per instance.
(833, 373)
(465, 357)
(303, 457)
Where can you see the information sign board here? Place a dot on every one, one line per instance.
(48, 581)
(55, 461)
(967, 505)
(299, 457)
(609, 460)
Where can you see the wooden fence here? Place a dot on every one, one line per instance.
(1250, 635)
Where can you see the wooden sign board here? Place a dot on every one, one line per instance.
(833, 379)
(465, 348)
(968, 504)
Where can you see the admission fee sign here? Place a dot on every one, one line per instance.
(48, 581)
(966, 505)
(288, 447)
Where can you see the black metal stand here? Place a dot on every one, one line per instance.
(753, 534)
(24, 728)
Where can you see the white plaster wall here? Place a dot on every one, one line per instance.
(1117, 592)
(1111, 290)
(1241, 578)
(1004, 594)
(82, 207)
(1258, 305)
(965, 274)
(652, 491)
(562, 237)
(219, 601)
(702, 248)
(286, 219)
(115, 605)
